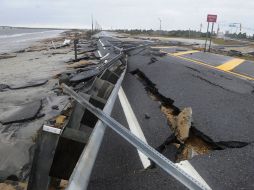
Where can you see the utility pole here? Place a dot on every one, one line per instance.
(207, 35)
(160, 23)
(75, 47)
(189, 33)
(92, 23)
(200, 30)
(95, 26)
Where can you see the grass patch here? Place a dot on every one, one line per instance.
(221, 41)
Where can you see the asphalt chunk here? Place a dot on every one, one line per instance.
(3, 87)
(28, 84)
(20, 113)
(85, 75)
(7, 55)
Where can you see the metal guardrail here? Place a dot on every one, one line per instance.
(112, 61)
(77, 181)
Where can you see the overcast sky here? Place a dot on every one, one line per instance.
(126, 14)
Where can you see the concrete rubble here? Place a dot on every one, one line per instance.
(28, 101)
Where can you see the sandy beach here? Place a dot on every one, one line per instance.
(16, 39)
(28, 84)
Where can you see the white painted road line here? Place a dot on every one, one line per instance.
(102, 44)
(133, 124)
(136, 130)
(189, 169)
(105, 56)
(99, 53)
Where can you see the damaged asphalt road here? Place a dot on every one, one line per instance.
(221, 128)
(221, 110)
(220, 106)
(185, 111)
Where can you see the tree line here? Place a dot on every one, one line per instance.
(182, 33)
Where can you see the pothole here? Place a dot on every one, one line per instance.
(186, 138)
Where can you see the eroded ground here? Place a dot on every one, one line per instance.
(30, 95)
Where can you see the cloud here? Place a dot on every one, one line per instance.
(177, 14)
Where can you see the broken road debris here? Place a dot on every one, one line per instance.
(55, 122)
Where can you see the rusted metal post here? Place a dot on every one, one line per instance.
(75, 48)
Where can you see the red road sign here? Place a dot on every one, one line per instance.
(211, 18)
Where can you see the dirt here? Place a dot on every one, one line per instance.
(63, 185)
(194, 146)
(12, 185)
(170, 117)
(80, 64)
(180, 125)
(183, 124)
(199, 146)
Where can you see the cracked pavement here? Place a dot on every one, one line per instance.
(222, 107)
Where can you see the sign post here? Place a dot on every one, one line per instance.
(211, 38)
(210, 19)
(206, 35)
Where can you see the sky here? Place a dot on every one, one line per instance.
(127, 14)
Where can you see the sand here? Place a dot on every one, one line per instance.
(17, 139)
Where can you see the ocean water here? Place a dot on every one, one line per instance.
(13, 39)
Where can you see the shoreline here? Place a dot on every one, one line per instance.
(47, 28)
(29, 90)
(22, 40)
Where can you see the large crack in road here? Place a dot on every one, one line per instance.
(196, 143)
(211, 83)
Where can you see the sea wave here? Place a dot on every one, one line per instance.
(26, 34)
